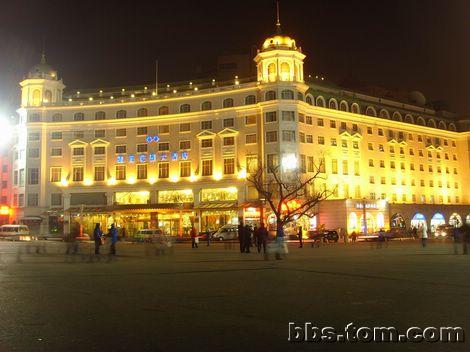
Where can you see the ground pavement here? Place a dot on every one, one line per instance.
(217, 299)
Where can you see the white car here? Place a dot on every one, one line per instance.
(16, 233)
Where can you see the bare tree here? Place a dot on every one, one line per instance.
(290, 193)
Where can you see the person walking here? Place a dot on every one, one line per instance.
(424, 235)
(353, 237)
(255, 236)
(113, 233)
(193, 235)
(380, 239)
(241, 236)
(262, 238)
(208, 237)
(300, 234)
(97, 234)
(248, 233)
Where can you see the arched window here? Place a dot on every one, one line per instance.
(409, 118)
(79, 116)
(185, 108)
(397, 116)
(270, 95)
(436, 220)
(420, 121)
(343, 106)
(333, 104)
(370, 111)
(228, 103)
(418, 221)
(163, 110)
(455, 220)
(100, 115)
(309, 99)
(250, 99)
(355, 109)
(48, 96)
(431, 123)
(142, 112)
(272, 72)
(300, 96)
(287, 94)
(442, 125)
(207, 105)
(353, 224)
(121, 114)
(452, 127)
(57, 118)
(285, 71)
(36, 97)
(384, 114)
(320, 101)
(34, 118)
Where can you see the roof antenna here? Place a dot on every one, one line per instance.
(278, 22)
(43, 54)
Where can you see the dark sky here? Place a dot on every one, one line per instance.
(398, 44)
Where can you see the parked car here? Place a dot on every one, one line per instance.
(16, 233)
(203, 235)
(147, 235)
(226, 232)
(323, 235)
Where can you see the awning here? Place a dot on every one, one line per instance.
(253, 204)
(31, 219)
(129, 208)
(218, 205)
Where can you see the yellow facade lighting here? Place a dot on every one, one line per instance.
(241, 174)
(174, 178)
(152, 180)
(131, 180)
(64, 182)
(111, 181)
(193, 178)
(88, 182)
(217, 175)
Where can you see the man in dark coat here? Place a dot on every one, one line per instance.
(97, 233)
(247, 239)
(262, 238)
(241, 236)
(113, 233)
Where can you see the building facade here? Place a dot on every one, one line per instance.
(178, 154)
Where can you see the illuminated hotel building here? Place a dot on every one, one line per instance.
(143, 157)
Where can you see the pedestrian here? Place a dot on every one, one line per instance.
(248, 233)
(113, 233)
(97, 234)
(193, 235)
(465, 237)
(457, 237)
(300, 234)
(353, 237)
(241, 236)
(424, 234)
(280, 241)
(381, 238)
(208, 237)
(255, 236)
(262, 235)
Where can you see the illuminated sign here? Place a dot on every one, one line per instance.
(143, 158)
(151, 139)
(4, 210)
(368, 206)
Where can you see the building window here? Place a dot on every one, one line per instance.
(334, 142)
(250, 120)
(250, 138)
(141, 131)
(33, 176)
(270, 95)
(369, 130)
(142, 112)
(206, 143)
(100, 115)
(121, 114)
(380, 132)
(310, 164)
(309, 138)
(163, 146)
(206, 167)
(332, 124)
(121, 132)
(163, 170)
(163, 110)
(251, 163)
(185, 169)
(185, 108)
(56, 135)
(33, 136)
(100, 133)
(121, 149)
(371, 162)
(272, 162)
(344, 143)
(77, 174)
(250, 99)
(141, 171)
(206, 125)
(120, 172)
(309, 120)
(56, 199)
(271, 136)
(78, 134)
(288, 116)
(345, 167)
(57, 118)
(229, 122)
(334, 166)
(33, 153)
(382, 180)
(142, 148)
(229, 166)
(185, 127)
(33, 199)
(164, 129)
(321, 140)
(371, 180)
(185, 145)
(78, 151)
(228, 141)
(271, 116)
(79, 116)
(288, 136)
(56, 174)
(355, 145)
(287, 94)
(320, 122)
(34, 118)
(99, 150)
(227, 103)
(207, 105)
(99, 173)
(357, 170)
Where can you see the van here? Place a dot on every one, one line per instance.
(15, 233)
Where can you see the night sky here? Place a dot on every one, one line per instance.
(401, 44)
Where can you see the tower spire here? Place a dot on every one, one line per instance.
(43, 53)
(278, 19)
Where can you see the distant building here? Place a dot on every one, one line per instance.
(142, 158)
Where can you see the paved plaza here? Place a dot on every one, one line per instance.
(216, 299)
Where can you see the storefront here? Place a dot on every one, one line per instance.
(374, 212)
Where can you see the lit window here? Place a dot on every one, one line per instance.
(120, 172)
(141, 131)
(229, 122)
(229, 141)
(229, 166)
(185, 145)
(251, 139)
(206, 143)
(185, 169)
(206, 167)
(77, 174)
(141, 171)
(271, 116)
(163, 170)
(99, 150)
(99, 173)
(271, 136)
(164, 129)
(185, 127)
(56, 174)
(121, 132)
(250, 120)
